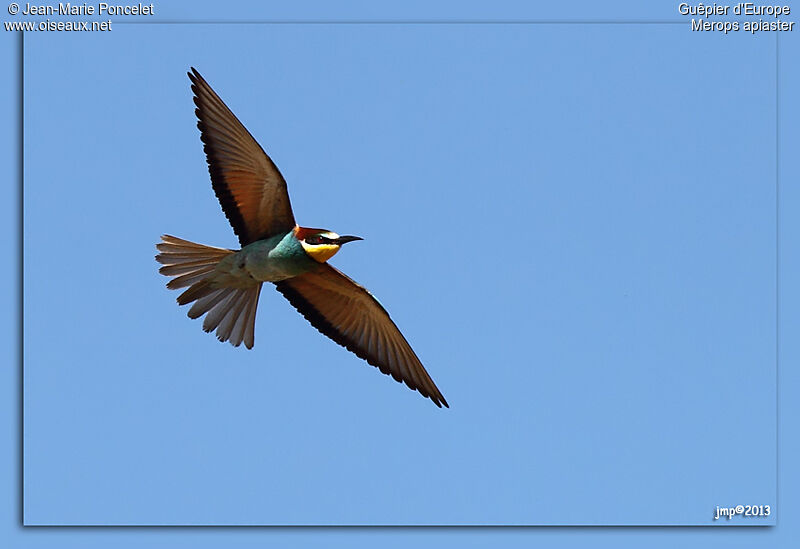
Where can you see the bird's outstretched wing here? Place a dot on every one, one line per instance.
(247, 183)
(348, 314)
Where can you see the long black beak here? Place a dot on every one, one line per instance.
(344, 239)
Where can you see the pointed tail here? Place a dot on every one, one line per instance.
(231, 311)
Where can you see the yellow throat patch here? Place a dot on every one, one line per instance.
(321, 252)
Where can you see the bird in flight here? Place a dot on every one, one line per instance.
(225, 284)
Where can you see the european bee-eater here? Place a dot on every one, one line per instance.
(225, 284)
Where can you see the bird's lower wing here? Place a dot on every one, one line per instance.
(348, 314)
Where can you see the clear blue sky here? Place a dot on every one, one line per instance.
(574, 225)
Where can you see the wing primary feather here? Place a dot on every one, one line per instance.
(349, 315)
(248, 185)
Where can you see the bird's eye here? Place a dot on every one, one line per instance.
(313, 240)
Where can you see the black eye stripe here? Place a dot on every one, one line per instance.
(318, 239)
